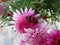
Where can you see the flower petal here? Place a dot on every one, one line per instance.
(14, 15)
(21, 10)
(38, 15)
(31, 13)
(18, 12)
(26, 10)
(29, 30)
(30, 10)
(40, 21)
(25, 36)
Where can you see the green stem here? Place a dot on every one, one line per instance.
(3, 21)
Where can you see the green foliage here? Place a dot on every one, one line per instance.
(41, 6)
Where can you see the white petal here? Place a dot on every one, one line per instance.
(14, 18)
(18, 12)
(29, 30)
(14, 14)
(21, 10)
(11, 22)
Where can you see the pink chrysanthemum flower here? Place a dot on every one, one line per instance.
(1, 10)
(35, 37)
(26, 19)
(55, 37)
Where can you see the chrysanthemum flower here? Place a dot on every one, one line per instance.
(26, 19)
(35, 37)
(55, 37)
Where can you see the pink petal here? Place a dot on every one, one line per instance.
(53, 33)
(26, 10)
(31, 12)
(37, 30)
(40, 21)
(38, 15)
(21, 42)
